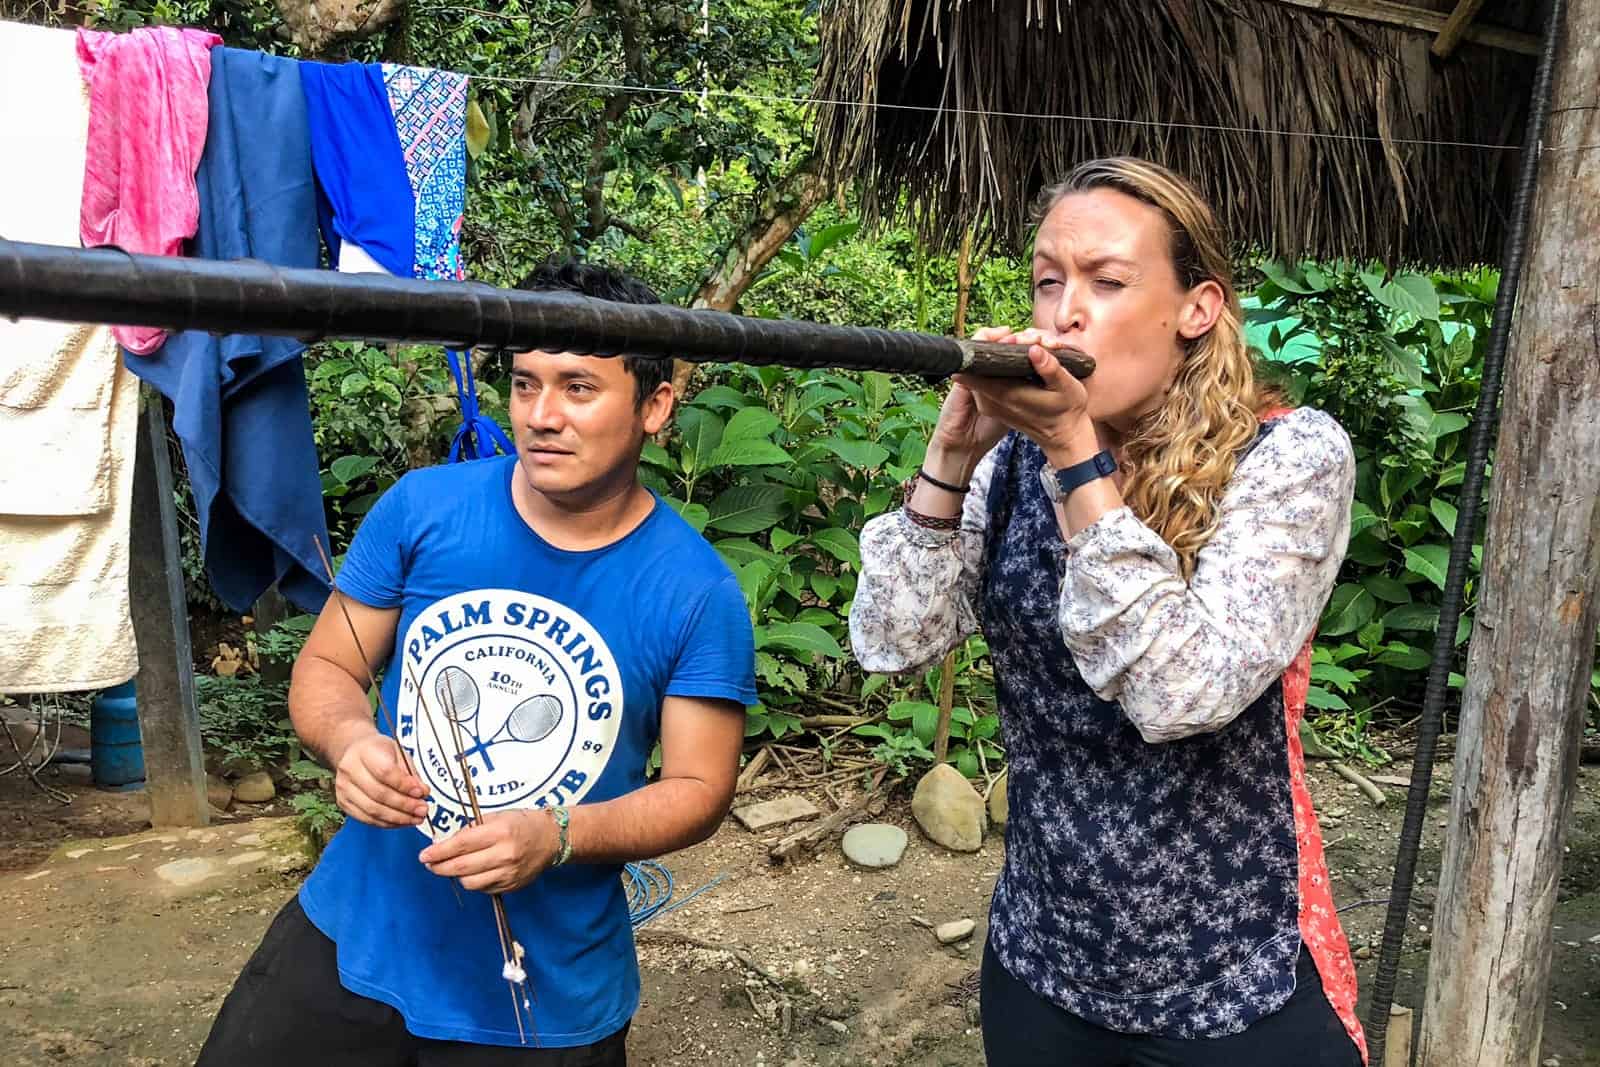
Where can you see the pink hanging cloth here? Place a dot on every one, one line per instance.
(147, 128)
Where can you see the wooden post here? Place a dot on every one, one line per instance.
(1397, 1049)
(947, 676)
(169, 720)
(1533, 646)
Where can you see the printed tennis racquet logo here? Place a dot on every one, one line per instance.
(524, 688)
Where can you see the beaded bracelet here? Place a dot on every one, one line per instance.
(927, 522)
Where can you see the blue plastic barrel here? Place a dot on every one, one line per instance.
(115, 752)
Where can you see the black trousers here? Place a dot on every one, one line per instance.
(1022, 1029)
(288, 1008)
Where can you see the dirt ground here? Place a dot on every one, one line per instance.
(104, 961)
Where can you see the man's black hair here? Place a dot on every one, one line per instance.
(605, 283)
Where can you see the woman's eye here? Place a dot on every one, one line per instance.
(1109, 283)
(1043, 283)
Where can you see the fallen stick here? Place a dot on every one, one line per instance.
(818, 832)
(1370, 791)
(745, 959)
(753, 769)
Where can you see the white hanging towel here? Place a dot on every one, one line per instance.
(69, 410)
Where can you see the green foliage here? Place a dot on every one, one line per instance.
(246, 720)
(1399, 363)
(318, 817)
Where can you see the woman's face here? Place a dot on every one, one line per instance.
(1104, 280)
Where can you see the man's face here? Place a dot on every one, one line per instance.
(576, 421)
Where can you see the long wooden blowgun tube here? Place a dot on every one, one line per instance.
(107, 285)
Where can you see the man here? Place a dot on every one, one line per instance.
(542, 619)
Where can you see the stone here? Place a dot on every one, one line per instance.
(770, 813)
(187, 872)
(253, 856)
(957, 930)
(218, 792)
(255, 788)
(875, 844)
(949, 810)
(998, 807)
(1363, 953)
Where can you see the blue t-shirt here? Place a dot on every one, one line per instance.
(553, 666)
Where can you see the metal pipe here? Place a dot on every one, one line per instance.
(1484, 418)
(250, 297)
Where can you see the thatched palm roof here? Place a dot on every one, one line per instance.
(1199, 85)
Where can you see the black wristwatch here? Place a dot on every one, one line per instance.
(1059, 484)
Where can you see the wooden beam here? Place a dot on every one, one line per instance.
(1521, 727)
(1416, 18)
(169, 719)
(1455, 26)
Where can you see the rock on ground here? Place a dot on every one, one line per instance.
(875, 844)
(949, 810)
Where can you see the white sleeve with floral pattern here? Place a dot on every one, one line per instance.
(1186, 658)
(917, 595)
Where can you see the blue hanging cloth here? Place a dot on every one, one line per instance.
(479, 436)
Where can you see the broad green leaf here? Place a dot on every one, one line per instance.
(1463, 630)
(1350, 608)
(755, 723)
(748, 508)
(738, 551)
(1370, 635)
(1453, 475)
(720, 396)
(1430, 561)
(746, 453)
(1415, 294)
(967, 763)
(1319, 698)
(903, 710)
(655, 455)
(1445, 423)
(840, 544)
(1445, 512)
(829, 236)
(1403, 656)
(866, 455)
(879, 389)
(824, 585)
(478, 131)
(695, 515)
(1456, 681)
(752, 576)
(1281, 276)
(1362, 518)
(348, 468)
(782, 539)
(750, 424)
(924, 721)
(1367, 550)
(1338, 677)
(354, 384)
(701, 431)
(1412, 617)
(799, 637)
(873, 683)
(1386, 589)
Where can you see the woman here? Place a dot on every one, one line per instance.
(1146, 552)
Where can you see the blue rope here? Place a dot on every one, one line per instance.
(649, 890)
(479, 436)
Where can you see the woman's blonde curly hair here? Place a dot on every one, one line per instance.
(1181, 456)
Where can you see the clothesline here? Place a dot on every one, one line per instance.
(781, 98)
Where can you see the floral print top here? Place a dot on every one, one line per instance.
(1153, 871)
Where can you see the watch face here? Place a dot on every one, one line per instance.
(1047, 478)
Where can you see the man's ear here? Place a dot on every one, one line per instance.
(657, 408)
(1201, 309)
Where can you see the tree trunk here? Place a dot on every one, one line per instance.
(1528, 674)
(782, 210)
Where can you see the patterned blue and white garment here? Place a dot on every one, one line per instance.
(1154, 880)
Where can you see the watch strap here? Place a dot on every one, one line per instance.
(1100, 465)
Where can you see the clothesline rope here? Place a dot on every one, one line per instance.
(782, 98)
